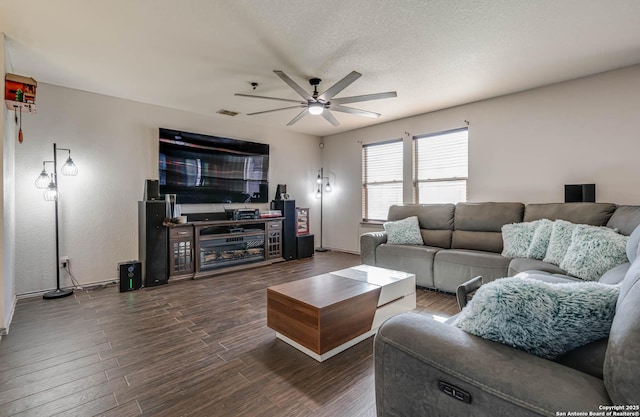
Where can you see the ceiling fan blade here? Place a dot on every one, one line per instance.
(330, 117)
(305, 95)
(366, 97)
(339, 86)
(355, 111)
(298, 117)
(269, 98)
(269, 111)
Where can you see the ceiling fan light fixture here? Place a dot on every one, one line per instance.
(316, 108)
(315, 103)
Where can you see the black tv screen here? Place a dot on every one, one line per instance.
(210, 169)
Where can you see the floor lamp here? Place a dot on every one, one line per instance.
(50, 183)
(322, 188)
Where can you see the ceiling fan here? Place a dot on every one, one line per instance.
(320, 104)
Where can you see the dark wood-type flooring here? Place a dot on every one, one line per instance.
(190, 348)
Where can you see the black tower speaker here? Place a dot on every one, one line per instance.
(130, 275)
(580, 193)
(153, 242)
(288, 209)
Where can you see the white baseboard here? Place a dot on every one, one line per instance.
(83, 287)
(5, 330)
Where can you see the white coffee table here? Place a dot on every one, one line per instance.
(326, 314)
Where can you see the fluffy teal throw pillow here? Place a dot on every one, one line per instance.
(544, 319)
(516, 238)
(594, 251)
(404, 232)
(559, 241)
(540, 240)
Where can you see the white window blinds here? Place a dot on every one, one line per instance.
(441, 167)
(381, 179)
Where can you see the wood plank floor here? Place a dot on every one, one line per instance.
(190, 348)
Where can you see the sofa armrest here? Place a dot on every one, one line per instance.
(413, 353)
(467, 288)
(368, 244)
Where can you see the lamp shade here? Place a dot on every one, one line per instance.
(51, 193)
(69, 168)
(43, 180)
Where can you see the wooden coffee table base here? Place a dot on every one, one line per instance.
(326, 314)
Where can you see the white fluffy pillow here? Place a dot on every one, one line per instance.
(404, 232)
(559, 241)
(593, 251)
(540, 240)
(516, 238)
(541, 318)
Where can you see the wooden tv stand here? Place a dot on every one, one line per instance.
(207, 248)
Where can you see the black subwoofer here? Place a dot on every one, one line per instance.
(305, 244)
(130, 275)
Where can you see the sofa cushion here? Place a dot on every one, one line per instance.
(615, 275)
(588, 358)
(633, 244)
(435, 220)
(477, 226)
(625, 219)
(453, 267)
(486, 217)
(439, 238)
(547, 277)
(518, 265)
(596, 214)
(481, 241)
(417, 260)
(544, 319)
(593, 251)
(403, 232)
(622, 359)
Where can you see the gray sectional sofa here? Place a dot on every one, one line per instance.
(465, 240)
(424, 367)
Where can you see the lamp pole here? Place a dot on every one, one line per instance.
(321, 189)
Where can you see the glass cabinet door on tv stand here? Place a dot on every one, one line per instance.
(181, 246)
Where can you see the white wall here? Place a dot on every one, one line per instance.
(114, 143)
(7, 217)
(522, 147)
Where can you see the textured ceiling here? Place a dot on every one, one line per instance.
(195, 54)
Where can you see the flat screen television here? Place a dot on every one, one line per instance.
(210, 169)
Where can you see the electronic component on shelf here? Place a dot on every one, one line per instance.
(270, 214)
(242, 214)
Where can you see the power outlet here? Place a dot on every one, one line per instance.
(64, 261)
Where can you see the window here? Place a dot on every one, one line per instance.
(441, 167)
(381, 179)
